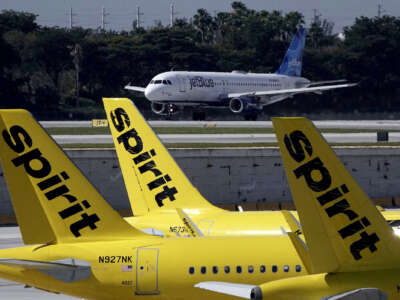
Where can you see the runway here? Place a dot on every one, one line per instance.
(10, 237)
(340, 124)
(346, 138)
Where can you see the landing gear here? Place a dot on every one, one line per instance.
(171, 110)
(199, 115)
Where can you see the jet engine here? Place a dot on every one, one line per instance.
(158, 108)
(248, 107)
(238, 105)
(163, 108)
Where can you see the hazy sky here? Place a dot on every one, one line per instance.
(121, 13)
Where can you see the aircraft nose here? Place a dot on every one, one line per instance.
(149, 92)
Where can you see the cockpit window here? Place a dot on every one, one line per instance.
(169, 82)
(157, 81)
(164, 82)
(151, 82)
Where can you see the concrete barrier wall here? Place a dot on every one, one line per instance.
(226, 176)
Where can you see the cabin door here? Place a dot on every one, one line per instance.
(147, 271)
(182, 84)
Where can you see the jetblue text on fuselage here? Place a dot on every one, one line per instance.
(201, 82)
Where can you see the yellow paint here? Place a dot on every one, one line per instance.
(125, 119)
(349, 245)
(157, 267)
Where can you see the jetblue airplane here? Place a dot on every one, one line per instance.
(242, 92)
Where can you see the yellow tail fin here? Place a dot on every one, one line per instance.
(343, 229)
(52, 199)
(153, 179)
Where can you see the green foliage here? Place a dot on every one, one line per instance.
(14, 20)
(39, 66)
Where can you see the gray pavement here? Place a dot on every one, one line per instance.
(342, 124)
(356, 138)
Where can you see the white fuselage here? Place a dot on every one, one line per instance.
(214, 87)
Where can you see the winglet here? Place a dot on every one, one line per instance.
(188, 222)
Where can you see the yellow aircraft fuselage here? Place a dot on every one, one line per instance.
(159, 268)
(224, 223)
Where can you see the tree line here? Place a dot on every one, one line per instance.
(63, 73)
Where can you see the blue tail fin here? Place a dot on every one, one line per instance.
(293, 60)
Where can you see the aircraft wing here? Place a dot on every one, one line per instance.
(292, 91)
(134, 88)
(66, 270)
(227, 288)
(312, 83)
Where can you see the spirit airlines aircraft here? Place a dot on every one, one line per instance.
(78, 245)
(156, 186)
(348, 249)
(244, 93)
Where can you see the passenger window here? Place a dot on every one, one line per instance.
(227, 269)
(285, 268)
(215, 269)
(238, 269)
(250, 269)
(274, 269)
(263, 269)
(298, 268)
(203, 270)
(191, 270)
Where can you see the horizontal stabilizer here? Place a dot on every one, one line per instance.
(233, 289)
(66, 270)
(297, 238)
(188, 222)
